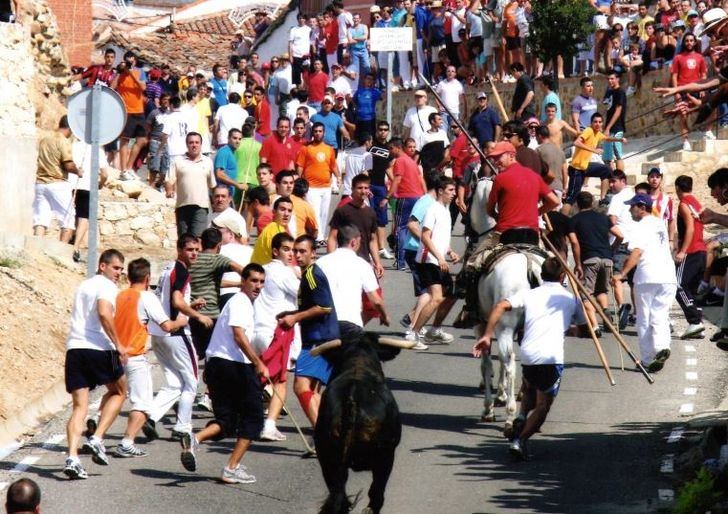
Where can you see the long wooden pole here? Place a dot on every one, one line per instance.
(599, 310)
(595, 339)
(498, 99)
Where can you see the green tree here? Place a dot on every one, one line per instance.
(558, 28)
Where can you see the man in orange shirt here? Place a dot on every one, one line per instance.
(135, 307)
(316, 162)
(131, 89)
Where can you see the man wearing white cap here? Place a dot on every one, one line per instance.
(416, 119)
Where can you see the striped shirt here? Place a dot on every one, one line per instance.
(206, 275)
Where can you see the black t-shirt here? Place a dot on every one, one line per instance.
(523, 85)
(614, 98)
(381, 159)
(364, 218)
(592, 232)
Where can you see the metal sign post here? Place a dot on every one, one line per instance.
(86, 110)
(390, 39)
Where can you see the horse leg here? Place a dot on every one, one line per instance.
(511, 405)
(508, 367)
(502, 393)
(486, 373)
(380, 475)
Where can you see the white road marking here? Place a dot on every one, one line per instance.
(691, 362)
(25, 464)
(9, 449)
(690, 391)
(675, 435)
(666, 495)
(691, 375)
(689, 348)
(667, 465)
(686, 409)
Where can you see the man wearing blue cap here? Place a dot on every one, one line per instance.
(655, 283)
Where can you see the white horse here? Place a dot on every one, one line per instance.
(508, 276)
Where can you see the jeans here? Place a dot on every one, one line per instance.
(360, 59)
(159, 160)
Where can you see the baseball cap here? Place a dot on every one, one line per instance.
(654, 169)
(482, 94)
(229, 220)
(155, 73)
(501, 148)
(677, 23)
(336, 65)
(532, 121)
(420, 92)
(693, 13)
(339, 95)
(640, 199)
(328, 98)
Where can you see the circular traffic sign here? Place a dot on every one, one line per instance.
(112, 114)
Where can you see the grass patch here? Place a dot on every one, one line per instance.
(10, 262)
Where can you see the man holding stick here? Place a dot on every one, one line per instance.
(549, 311)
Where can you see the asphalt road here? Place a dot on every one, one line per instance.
(600, 450)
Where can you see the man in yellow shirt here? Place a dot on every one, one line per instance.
(581, 165)
(282, 212)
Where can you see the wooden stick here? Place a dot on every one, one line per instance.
(242, 201)
(595, 339)
(498, 100)
(601, 312)
(457, 122)
(309, 450)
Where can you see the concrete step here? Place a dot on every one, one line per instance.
(722, 133)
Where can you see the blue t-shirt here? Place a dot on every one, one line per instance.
(332, 124)
(314, 291)
(483, 123)
(585, 108)
(419, 210)
(358, 32)
(366, 103)
(219, 89)
(550, 98)
(225, 159)
(422, 21)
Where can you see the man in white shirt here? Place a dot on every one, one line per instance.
(299, 46)
(452, 93)
(227, 117)
(416, 119)
(340, 83)
(233, 374)
(622, 223)
(221, 209)
(655, 282)
(279, 295)
(358, 161)
(549, 311)
(177, 124)
(433, 268)
(94, 357)
(234, 247)
(349, 278)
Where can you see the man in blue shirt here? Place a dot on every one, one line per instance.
(226, 167)
(366, 99)
(219, 86)
(317, 317)
(422, 23)
(485, 124)
(333, 123)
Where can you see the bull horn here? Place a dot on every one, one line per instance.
(328, 345)
(398, 343)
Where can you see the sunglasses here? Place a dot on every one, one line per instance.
(508, 135)
(247, 96)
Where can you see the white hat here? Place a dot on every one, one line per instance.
(230, 220)
(711, 19)
(374, 9)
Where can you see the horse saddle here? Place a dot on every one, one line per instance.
(489, 258)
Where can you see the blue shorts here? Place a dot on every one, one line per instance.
(410, 259)
(379, 193)
(313, 367)
(613, 149)
(544, 377)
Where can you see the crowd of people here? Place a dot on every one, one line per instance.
(256, 158)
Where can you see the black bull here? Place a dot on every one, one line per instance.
(358, 425)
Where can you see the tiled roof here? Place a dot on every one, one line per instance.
(217, 24)
(178, 50)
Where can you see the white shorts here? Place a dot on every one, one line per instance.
(139, 377)
(52, 199)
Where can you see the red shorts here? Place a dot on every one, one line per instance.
(367, 309)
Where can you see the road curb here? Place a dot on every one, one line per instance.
(32, 415)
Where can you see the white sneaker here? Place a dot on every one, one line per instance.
(237, 476)
(412, 336)
(272, 435)
(709, 136)
(692, 330)
(386, 254)
(437, 335)
(204, 403)
(687, 146)
(420, 346)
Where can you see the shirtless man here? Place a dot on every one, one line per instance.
(557, 127)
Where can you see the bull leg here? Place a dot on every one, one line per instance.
(380, 476)
(335, 477)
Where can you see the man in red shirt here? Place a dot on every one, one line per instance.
(407, 187)
(102, 73)
(461, 157)
(690, 256)
(513, 201)
(279, 150)
(331, 37)
(317, 85)
(262, 111)
(688, 66)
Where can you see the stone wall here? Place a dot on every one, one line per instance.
(644, 118)
(139, 223)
